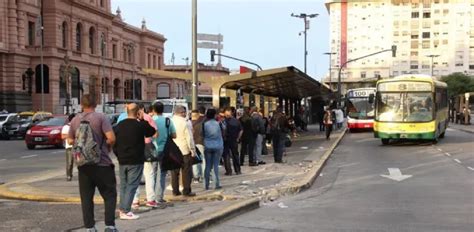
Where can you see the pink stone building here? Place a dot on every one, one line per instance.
(105, 55)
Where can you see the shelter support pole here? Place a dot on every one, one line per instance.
(257, 100)
(246, 99)
(292, 108)
(280, 102)
(216, 94)
(287, 106)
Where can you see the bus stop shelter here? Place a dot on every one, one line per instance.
(285, 86)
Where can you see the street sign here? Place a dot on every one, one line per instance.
(210, 45)
(210, 37)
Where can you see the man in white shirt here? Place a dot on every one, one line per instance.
(69, 158)
(184, 140)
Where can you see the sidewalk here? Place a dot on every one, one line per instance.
(255, 182)
(466, 128)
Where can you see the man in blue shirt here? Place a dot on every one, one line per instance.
(160, 142)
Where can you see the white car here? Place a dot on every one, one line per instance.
(5, 118)
(170, 104)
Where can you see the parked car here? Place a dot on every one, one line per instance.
(22, 123)
(113, 118)
(6, 118)
(46, 133)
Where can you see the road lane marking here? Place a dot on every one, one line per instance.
(448, 154)
(28, 156)
(470, 168)
(439, 149)
(457, 161)
(396, 174)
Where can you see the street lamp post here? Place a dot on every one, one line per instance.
(213, 53)
(432, 57)
(330, 65)
(393, 50)
(66, 70)
(305, 17)
(194, 54)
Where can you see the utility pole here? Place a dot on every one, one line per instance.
(330, 65)
(432, 56)
(104, 82)
(41, 29)
(194, 54)
(305, 17)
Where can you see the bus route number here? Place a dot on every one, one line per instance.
(360, 94)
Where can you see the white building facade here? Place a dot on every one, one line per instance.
(419, 28)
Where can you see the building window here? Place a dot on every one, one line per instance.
(363, 74)
(154, 61)
(148, 61)
(114, 51)
(159, 62)
(426, 15)
(445, 42)
(436, 22)
(45, 79)
(64, 34)
(445, 12)
(377, 74)
(415, 15)
(124, 54)
(414, 44)
(78, 37)
(425, 44)
(471, 66)
(105, 84)
(103, 45)
(31, 33)
(101, 3)
(92, 40)
(130, 56)
(413, 66)
(413, 53)
(414, 36)
(426, 35)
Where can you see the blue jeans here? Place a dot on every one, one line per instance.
(213, 156)
(160, 193)
(130, 176)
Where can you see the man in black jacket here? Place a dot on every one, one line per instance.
(130, 149)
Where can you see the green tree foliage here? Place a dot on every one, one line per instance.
(459, 83)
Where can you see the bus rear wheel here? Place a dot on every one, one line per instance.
(385, 141)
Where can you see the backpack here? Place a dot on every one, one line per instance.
(85, 150)
(172, 157)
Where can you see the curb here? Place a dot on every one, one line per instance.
(309, 179)
(463, 130)
(254, 203)
(7, 193)
(231, 211)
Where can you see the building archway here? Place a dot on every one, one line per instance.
(45, 79)
(75, 84)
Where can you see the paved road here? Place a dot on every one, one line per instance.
(17, 162)
(352, 196)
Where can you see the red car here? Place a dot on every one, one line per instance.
(46, 133)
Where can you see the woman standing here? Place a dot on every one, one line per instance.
(213, 147)
(328, 121)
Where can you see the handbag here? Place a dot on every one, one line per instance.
(288, 141)
(172, 156)
(151, 154)
(198, 158)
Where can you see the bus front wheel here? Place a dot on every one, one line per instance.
(385, 141)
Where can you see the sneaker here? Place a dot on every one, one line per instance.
(93, 229)
(151, 204)
(167, 203)
(128, 216)
(136, 205)
(196, 181)
(111, 229)
(191, 194)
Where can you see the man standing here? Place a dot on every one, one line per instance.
(280, 129)
(234, 133)
(68, 147)
(101, 175)
(149, 168)
(247, 138)
(184, 140)
(328, 122)
(197, 120)
(130, 152)
(165, 128)
(258, 128)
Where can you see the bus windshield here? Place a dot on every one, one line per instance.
(360, 108)
(404, 107)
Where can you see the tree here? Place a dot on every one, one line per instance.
(459, 83)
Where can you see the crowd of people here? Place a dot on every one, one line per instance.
(143, 141)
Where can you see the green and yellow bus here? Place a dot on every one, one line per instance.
(411, 107)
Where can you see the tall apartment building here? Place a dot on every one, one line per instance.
(419, 28)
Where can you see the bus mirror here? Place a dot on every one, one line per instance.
(371, 98)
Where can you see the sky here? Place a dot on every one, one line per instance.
(261, 31)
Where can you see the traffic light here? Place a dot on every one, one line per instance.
(213, 53)
(394, 50)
